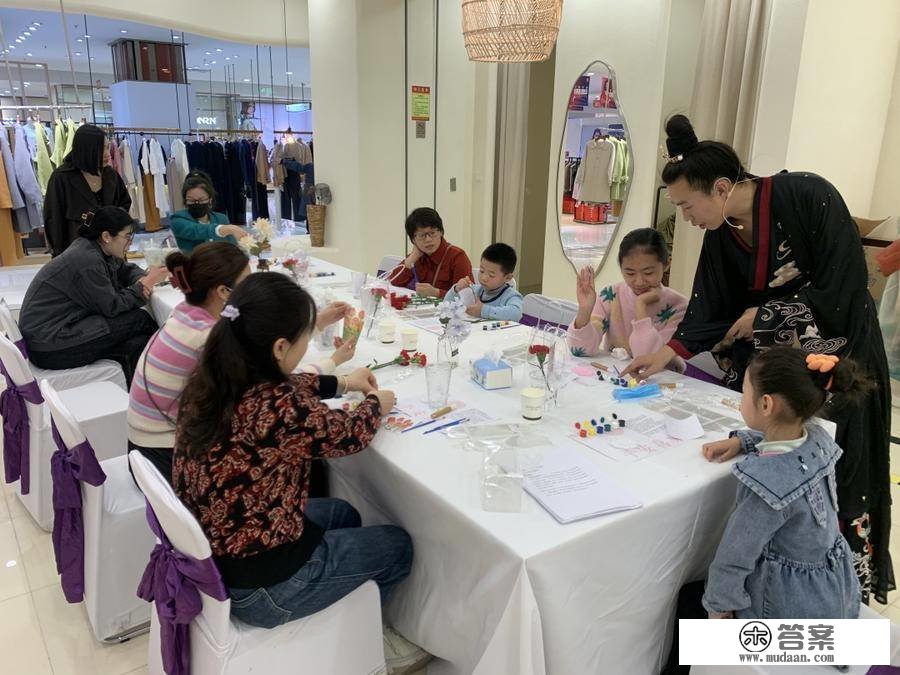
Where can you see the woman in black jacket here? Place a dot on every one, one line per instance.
(81, 184)
(85, 304)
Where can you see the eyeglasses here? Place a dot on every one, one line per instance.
(194, 202)
(427, 236)
(129, 236)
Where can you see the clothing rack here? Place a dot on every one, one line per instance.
(291, 131)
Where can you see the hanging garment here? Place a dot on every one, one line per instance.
(28, 184)
(48, 134)
(9, 169)
(236, 196)
(176, 171)
(44, 165)
(30, 140)
(150, 209)
(275, 159)
(298, 151)
(132, 185)
(158, 169)
(261, 181)
(5, 191)
(593, 173)
(71, 128)
(59, 142)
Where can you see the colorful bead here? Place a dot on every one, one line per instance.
(593, 423)
(607, 427)
(582, 433)
(621, 423)
(577, 425)
(615, 417)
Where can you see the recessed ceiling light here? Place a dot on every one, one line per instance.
(235, 56)
(218, 49)
(77, 53)
(246, 79)
(19, 40)
(12, 46)
(29, 54)
(123, 31)
(79, 40)
(289, 72)
(87, 37)
(38, 65)
(37, 23)
(27, 84)
(228, 58)
(15, 89)
(208, 53)
(176, 37)
(26, 33)
(6, 92)
(213, 63)
(93, 59)
(11, 563)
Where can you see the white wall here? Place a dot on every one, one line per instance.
(844, 88)
(257, 22)
(886, 195)
(631, 37)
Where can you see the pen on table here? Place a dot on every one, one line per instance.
(419, 426)
(446, 426)
(600, 366)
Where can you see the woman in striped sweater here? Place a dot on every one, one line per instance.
(206, 277)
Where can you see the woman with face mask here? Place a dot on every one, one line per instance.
(197, 222)
(782, 264)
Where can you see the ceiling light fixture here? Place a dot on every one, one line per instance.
(79, 40)
(29, 54)
(38, 65)
(87, 37)
(213, 62)
(208, 53)
(26, 33)
(123, 31)
(228, 58)
(19, 40)
(289, 72)
(218, 49)
(37, 23)
(77, 53)
(246, 79)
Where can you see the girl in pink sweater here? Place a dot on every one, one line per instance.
(638, 314)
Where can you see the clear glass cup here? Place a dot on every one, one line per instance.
(437, 382)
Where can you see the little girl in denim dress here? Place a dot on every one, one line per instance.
(782, 555)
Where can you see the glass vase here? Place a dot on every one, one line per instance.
(447, 351)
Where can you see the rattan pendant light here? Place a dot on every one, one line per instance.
(510, 31)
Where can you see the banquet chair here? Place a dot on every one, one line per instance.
(98, 499)
(542, 309)
(99, 407)
(865, 612)
(220, 644)
(99, 371)
(388, 263)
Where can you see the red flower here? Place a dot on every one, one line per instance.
(422, 360)
(539, 349)
(379, 292)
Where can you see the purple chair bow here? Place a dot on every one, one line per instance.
(22, 347)
(16, 428)
(173, 581)
(68, 466)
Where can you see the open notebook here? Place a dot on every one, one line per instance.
(571, 487)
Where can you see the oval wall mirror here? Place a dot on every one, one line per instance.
(594, 168)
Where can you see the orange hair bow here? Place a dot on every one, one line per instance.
(823, 363)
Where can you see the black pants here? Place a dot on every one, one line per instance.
(127, 337)
(291, 197)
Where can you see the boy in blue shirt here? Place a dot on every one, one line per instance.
(495, 297)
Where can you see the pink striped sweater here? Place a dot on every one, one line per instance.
(163, 371)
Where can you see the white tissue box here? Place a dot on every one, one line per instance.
(492, 375)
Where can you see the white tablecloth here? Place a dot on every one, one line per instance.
(498, 593)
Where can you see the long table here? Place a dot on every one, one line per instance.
(497, 593)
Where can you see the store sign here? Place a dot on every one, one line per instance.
(207, 121)
(421, 103)
(298, 107)
(579, 98)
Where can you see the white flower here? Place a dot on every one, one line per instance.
(264, 227)
(247, 243)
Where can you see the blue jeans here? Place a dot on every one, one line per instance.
(347, 557)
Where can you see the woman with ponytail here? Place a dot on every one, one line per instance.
(86, 303)
(782, 264)
(206, 277)
(782, 555)
(248, 433)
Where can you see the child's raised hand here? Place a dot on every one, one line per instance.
(722, 451)
(463, 283)
(584, 290)
(362, 380)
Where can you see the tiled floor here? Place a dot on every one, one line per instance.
(40, 633)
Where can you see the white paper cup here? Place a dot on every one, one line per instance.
(467, 295)
(533, 403)
(387, 331)
(409, 338)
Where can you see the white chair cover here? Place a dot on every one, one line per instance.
(117, 540)
(388, 263)
(220, 645)
(549, 310)
(99, 371)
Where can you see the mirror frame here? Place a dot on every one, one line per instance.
(561, 161)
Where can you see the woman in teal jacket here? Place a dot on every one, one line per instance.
(198, 223)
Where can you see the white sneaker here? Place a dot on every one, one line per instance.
(402, 656)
